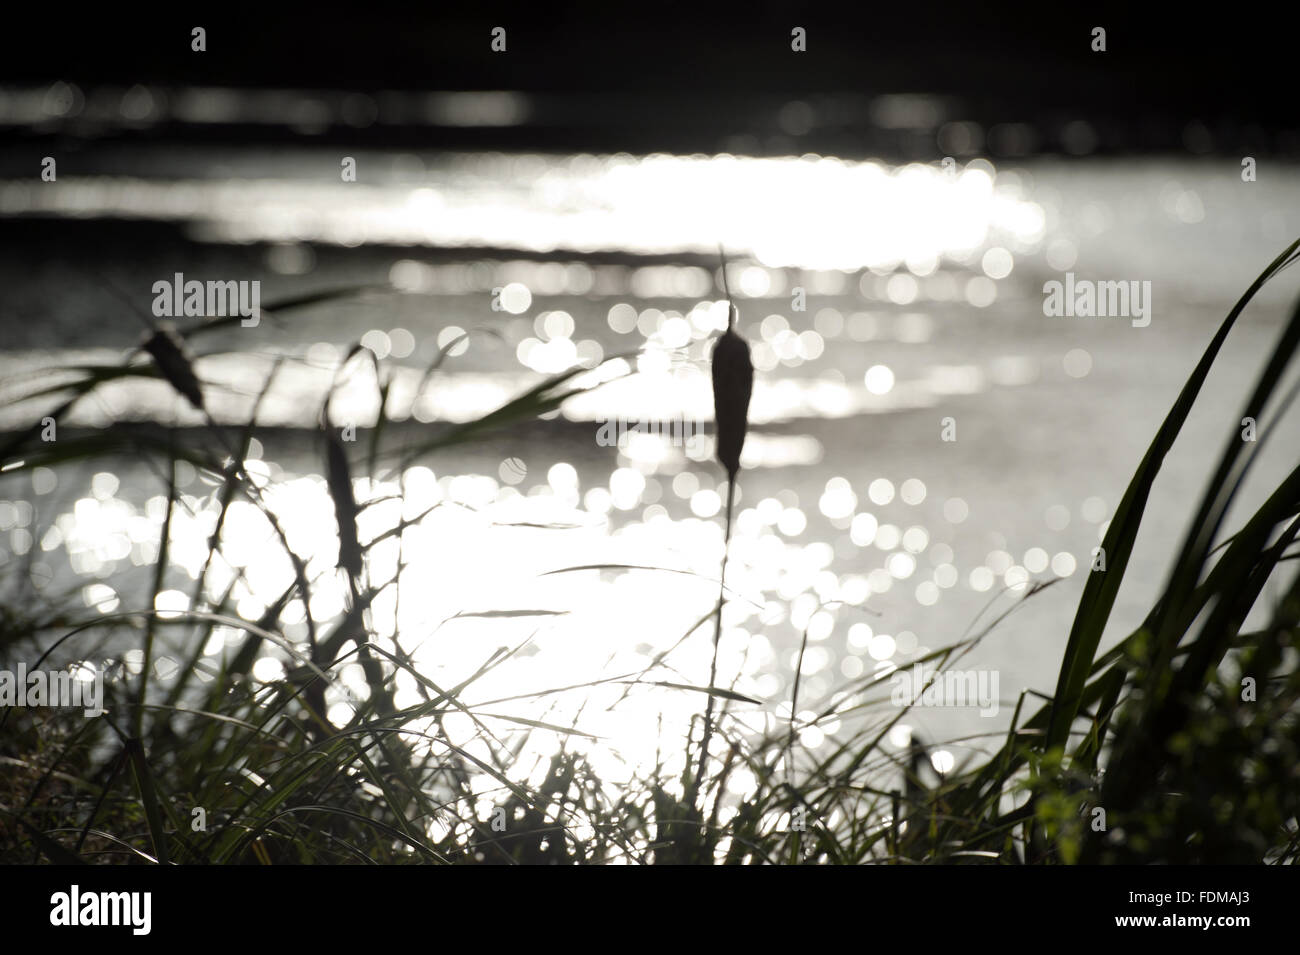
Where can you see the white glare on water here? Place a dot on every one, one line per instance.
(913, 242)
(818, 213)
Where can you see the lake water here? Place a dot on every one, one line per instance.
(857, 522)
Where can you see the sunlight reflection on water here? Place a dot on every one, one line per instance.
(888, 248)
(817, 213)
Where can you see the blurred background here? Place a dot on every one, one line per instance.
(891, 200)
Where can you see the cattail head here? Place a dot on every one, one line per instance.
(338, 477)
(733, 382)
(168, 351)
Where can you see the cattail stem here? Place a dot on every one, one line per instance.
(717, 631)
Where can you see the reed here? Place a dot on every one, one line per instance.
(733, 385)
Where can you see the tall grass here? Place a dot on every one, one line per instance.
(1180, 743)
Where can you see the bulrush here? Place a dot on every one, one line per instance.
(339, 478)
(733, 383)
(168, 351)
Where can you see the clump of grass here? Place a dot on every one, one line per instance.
(1159, 733)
